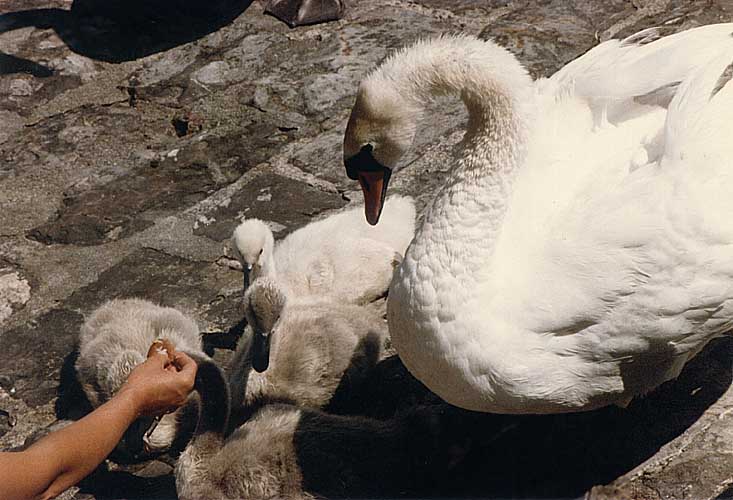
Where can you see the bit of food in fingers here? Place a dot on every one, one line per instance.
(164, 346)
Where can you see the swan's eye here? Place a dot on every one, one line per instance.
(261, 249)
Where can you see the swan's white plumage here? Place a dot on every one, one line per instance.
(581, 251)
(340, 257)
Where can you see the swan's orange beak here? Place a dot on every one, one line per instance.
(374, 186)
(373, 178)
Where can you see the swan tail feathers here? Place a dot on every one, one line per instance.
(698, 120)
(643, 37)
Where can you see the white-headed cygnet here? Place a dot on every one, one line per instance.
(287, 451)
(116, 338)
(340, 256)
(302, 350)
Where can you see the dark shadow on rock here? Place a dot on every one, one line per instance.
(113, 485)
(223, 340)
(33, 355)
(71, 403)
(123, 30)
(544, 456)
(381, 391)
(726, 495)
(409, 455)
(563, 456)
(387, 389)
(11, 64)
(7, 421)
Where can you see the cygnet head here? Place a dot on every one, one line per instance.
(253, 243)
(159, 436)
(380, 131)
(264, 302)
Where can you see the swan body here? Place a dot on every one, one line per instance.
(340, 257)
(313, 348)
(113, 340)
(580, 251)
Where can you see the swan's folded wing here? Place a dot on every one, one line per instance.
(619, 280)
(616, 75)
(620, 262)
(592, 235)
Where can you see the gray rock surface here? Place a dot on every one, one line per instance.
(133, 139)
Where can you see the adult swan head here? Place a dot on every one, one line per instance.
(579, 251)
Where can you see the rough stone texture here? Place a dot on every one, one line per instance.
(133, 137)
(285, 203)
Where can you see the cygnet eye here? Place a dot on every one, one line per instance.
(261, 249)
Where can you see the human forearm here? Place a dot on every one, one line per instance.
(79, 448)
(63, 458)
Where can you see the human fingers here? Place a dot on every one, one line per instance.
(178, 362)
(183, 361)
(169, 348)
(161, 390)
(158, 358)
(186, 365)
(156, 347)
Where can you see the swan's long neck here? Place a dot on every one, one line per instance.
(468, 212)
(465, 219)
(439, 301)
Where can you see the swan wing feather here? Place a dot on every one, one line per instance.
(617, 74)
(642, 265)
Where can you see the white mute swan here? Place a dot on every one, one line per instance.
(340, 257)
(580, 251)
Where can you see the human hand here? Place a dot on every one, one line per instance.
(161, 383)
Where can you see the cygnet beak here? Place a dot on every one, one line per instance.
(260, 350)
(247, 270)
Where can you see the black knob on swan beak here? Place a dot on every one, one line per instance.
(363, 160)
